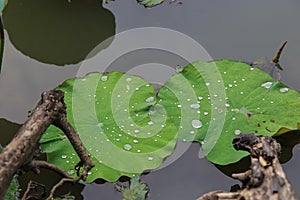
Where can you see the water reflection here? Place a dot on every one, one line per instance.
(57, 31)
(8, 130)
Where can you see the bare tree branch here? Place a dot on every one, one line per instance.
(20, 153)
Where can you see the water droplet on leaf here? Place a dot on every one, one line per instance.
(179, 69)
(196, 123)
(237, 132)
(70, 172)
(283, 90)
(127, 147)
(267, 85)
(104, 78)
(149, 99)
(136, 130)
(150, 123)
(195, 106)
(135, 141)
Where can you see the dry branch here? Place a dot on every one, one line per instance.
(265, 179)
(20, 153)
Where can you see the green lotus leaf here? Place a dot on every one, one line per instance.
(118, 121)
(212, 102)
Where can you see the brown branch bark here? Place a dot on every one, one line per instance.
(265, 179)
(20, 152)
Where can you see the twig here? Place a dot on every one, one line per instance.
(60, 183)
(36, 164)
(30, 186)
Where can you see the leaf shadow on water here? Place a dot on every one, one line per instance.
(58, 32)
(7, 131)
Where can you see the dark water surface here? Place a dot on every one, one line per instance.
(241, 30)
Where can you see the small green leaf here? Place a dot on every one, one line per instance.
(13, 190)
(136, 190)
(213, 102)
(117, 121)
(150, 3)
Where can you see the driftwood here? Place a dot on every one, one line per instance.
(265, 179)
(20, 154)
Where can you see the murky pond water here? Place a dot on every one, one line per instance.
(41, 35)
